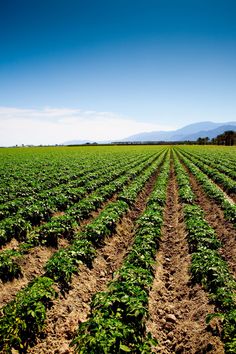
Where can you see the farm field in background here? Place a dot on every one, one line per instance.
(116, 249)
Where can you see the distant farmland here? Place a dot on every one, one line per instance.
(116, 249)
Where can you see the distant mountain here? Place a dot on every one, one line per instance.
(189, 132)
(210, 133)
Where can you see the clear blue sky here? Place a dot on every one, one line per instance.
(166, 62)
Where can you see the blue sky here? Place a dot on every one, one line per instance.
(153, 64)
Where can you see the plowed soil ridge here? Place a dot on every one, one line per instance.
(178, 309)
(67, 312)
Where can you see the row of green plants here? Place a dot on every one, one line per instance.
(66, 225)
(116, 322)
(227, 183)
(66, 191)
(64, 263)
(208, 268)
(24, 317)
(211, 189)
(23, 176)
(218, 154)
(19, 225)
(41, 206)
(223, 166)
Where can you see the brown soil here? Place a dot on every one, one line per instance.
(178, 309)
(32, 266)
(233, 197)
(67, 312)
(215, 217)
(58, 213)
(13, 244)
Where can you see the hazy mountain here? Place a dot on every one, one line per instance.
(189, 132)
(210, 133)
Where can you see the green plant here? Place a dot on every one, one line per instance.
(24, 317)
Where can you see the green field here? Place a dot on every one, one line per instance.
(98, 241)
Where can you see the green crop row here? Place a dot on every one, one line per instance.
(24, 317)
(66, 193)
(116, 322)
(27, 173)
(20, 224)
(227, 183)
(220, 165)
(41, 209)
(212, 190)
(207, 266)
(24, 176)
(66, 225)
(95, 232)
(220, 156)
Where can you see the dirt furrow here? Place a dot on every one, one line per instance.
(32, 264)
(10, 245)
(177, 308)
(67, 312)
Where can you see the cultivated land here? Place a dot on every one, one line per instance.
(118, 249)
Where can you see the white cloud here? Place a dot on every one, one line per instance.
(57, 125)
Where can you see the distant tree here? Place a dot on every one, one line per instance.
(203, 141)
(227, 138)
(230, 137)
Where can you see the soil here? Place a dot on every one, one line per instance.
(73, 308)
(177, 308)
(13, 244)
(32, 265)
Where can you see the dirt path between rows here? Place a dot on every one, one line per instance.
(215, 217)
(67, 312)
(32, 264)
(177, 309)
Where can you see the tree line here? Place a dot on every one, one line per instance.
(227, 138)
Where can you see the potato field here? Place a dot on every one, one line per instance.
(118, 249)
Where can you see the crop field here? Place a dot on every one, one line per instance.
(118, 249)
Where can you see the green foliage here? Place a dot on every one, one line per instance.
(208, 267)
(117, 319)
(212, 190)
(9, 269)
(64, 263)
(24, 317)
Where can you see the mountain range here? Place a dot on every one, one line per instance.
(189, 132)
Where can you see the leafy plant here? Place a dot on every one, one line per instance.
(9, 269)
(24, 317)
